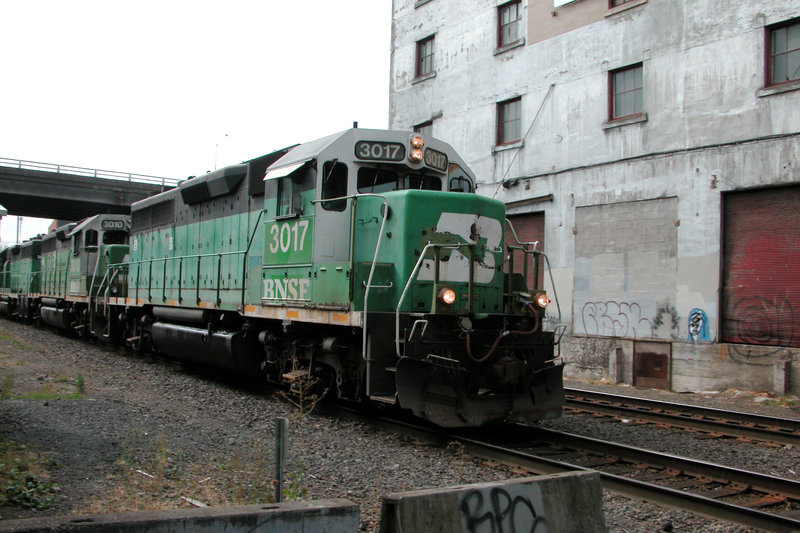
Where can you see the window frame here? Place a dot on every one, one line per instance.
(500, 26)
(423, 45)
(616, 3)
(501, 107)
(769, 55)
(612, 116)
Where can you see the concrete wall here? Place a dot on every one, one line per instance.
(564, 503)
(633, 228)
(331, 516)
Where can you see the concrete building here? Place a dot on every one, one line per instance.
(653, 148)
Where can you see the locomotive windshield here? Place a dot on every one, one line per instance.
(114, 237)
(378, 180)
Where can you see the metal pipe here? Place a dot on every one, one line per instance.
(281, 443)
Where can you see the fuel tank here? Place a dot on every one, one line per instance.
(218, 349)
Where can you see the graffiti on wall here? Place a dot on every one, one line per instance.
(767, 324)
(666, 323)
(698, 325)
(626, 319)
(498, 509)
(615, 319)
(590, 353)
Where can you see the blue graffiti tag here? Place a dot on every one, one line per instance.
(698, 325)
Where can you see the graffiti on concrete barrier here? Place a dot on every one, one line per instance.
(615, 319)
(766, 324)
(503, 510)
(590, 353)
(698, 325)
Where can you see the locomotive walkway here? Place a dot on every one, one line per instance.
(45, 190)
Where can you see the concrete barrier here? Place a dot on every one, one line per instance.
(330, 516)
(558, 503)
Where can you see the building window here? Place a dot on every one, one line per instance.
(626, 91)
(784, 53)
(509, 121)
(508, 22)
(425, 57)
(425, 129)
(615, 3)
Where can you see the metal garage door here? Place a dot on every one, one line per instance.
(761, 269)
(529, 228)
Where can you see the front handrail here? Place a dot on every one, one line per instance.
(524, 247)
(411, 279)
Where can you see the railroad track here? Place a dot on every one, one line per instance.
(704, 419)
(708, 489)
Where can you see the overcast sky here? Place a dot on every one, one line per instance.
(169, 88)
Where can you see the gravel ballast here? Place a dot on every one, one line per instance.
(149, 435)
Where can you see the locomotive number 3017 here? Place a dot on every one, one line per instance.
(381, 151)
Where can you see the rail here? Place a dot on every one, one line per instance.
(87, 172)
(694, 417)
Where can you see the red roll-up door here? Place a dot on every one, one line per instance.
(529, 228)
(761, 267)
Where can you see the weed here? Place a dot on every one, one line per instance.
(24, 479)
(294, 489)
(6, 385)
(785, 401)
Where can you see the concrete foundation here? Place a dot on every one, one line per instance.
(564, 503)
(331, 516)
(694, 366)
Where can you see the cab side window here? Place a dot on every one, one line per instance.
(91, 237)
(334, 185)
(76, 243)
(284, 196)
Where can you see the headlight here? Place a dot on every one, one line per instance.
(542, 300)
(447, 296)
(417, 142)
(416, 155)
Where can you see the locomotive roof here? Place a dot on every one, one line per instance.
(310, 150)
(306, 151)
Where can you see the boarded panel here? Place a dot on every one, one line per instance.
(760, 272)
(626, 269)
(529, 228)
(651, 364)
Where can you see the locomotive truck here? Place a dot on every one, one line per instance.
(362, 262)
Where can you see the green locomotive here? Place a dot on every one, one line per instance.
(362, 262)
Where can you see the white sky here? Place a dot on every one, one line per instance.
(168, 87)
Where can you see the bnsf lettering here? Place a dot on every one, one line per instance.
(287, 289)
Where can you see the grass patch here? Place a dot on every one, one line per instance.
(785, 401)
(15, 342)
(24, 477)
(67, 389)
(158, 478)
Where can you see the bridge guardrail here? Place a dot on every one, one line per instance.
(88, 172)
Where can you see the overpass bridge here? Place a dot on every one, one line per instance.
(45, 190)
